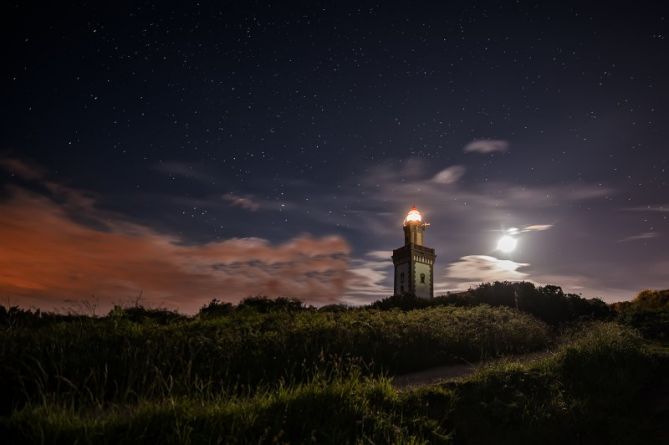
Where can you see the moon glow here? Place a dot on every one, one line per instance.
(507, 244)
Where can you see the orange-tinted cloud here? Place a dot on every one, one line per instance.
(47, 256)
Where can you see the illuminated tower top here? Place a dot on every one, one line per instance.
(413, 216)
(414, 227)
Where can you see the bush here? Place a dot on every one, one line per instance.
(652, 323)
(648, 312)
(602, 386)
(216, 308)
(652, 299)
(265, 305)
(548, 303)
(140, 314)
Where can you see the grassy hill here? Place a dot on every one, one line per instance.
(274, 371)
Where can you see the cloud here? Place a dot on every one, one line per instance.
(383, 255)
(486, 146)
(245, 202)
(51, 254)
(537, 228)
(369, 276)
(21, 169)
(387, 184)
(485, 268)
(471, 270)
(449, 175)
(185, 170)
(640, 236)
(662, 208)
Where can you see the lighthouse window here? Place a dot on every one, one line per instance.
(402, 277)
(422, 278)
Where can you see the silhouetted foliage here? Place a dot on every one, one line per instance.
(648, 312)
(18, 317)
(265, 305)
(335, 308)
(548, 303)
(652, 299)
(652, 323)
(141, 314)
(216, 308)
(405, 302)
(259, 304)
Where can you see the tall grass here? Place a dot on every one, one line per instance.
(578, 395)
(324, 410)
(114, 359)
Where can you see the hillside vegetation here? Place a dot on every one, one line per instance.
(602, 386)
(548, 303)
(119, 358)
(275, 371)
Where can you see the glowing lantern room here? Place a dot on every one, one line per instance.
(413, 216)
(414, 227)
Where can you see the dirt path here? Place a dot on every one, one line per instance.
(434, 375)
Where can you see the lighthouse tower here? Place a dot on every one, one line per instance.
(414, 263)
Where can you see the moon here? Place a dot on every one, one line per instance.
(507, 244)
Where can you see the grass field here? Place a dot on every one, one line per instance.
(604, 385)
(276, 372)
(115, 359)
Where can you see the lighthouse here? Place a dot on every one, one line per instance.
(414, 263)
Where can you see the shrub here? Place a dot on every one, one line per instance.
(652, 299)
(548, 303)
(140, 314)
(216, 308)
(265, 305)
(648, 312)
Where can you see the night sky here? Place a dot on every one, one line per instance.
(190, 152)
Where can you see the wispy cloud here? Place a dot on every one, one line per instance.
(389, 183)
(383, 255)
(184, 170)
(368, 278)
(449, 175)
(245, 202)
(472, 270)
(640, 236)
(484, 268)
(486, 146)
(21, 169)
(536, 228)
(662, 208)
